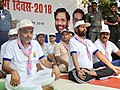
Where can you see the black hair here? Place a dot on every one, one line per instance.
(93, 3)
(113, 4)
(61, 10)
(78, 11)
(89, 6)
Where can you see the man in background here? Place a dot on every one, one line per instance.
(95, 19)
(112, 20)
(5, 23)
(61, 51)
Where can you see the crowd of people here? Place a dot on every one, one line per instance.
(85, 52)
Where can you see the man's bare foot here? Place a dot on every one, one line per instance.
(48, 87)
(92, 72)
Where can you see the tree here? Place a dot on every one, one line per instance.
(104, 6)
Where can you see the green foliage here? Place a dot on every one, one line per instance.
(104, 6)
(90, 0)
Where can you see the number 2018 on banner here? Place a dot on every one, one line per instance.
(40, 8)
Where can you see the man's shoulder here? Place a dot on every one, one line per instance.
(34, 42)
(98, 11)
(89, 14)
(6, 11)
(96, 41)
(110, 43)
(5, 43)
(11, 43)
(59, 44)
(73, 38)
(88, 40)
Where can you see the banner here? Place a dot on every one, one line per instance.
(40, 12)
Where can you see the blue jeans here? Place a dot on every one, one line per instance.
(101, 64)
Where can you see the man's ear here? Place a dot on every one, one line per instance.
(18, 32)
(68, 22)
(76, 30)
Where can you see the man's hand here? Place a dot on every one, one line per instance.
(116, 23)
(56, 71)
(81, 74)
(15, 78)
(116, 70)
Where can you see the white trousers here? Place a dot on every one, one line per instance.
(39, 79)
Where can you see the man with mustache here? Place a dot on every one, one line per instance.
(81, 62)
(61, 51)
(62, 20)
(5, 23)
(106, 47)
(20, 59)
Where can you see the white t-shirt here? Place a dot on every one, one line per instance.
(83, 60)
(19, 61)
(44, 49)
(3, 47)
(110, 48)
(50, 48)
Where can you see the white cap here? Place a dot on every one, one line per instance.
(25, 23)
(105, 29)
(17, 21)
(52, 34)
(41, 33)
(64, 30)
(13, 32)
(81, 22)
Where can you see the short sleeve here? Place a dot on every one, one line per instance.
(115, 48)
(8, 53)
(39, 51)
(72, 46)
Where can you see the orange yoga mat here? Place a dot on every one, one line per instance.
(110, 82)
(64, 76)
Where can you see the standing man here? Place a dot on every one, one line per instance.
(20, 59)
(112, 20)
(62, 20)
(81, 62)
(5, 23)
(61, 51)
(106, 47)
(94, 18)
